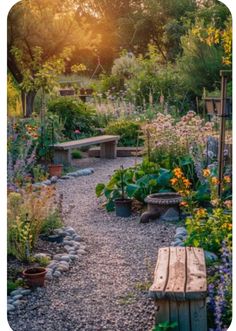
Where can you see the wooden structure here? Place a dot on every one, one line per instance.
(180, 288)
(121, 151)
(62, 151)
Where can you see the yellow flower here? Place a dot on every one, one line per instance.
(227, 179)
(214, 180)
(206, 172)
(201, 212)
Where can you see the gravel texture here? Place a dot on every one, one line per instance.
(107, 286)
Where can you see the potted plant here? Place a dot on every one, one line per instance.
(123, 205)
(34, 276)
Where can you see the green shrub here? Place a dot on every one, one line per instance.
(127, 130)
(76, 154)
(13, 285)
(75, 115)
(53, 221)
(43, 261)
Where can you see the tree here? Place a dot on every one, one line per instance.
(42, 34)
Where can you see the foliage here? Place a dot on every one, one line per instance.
(76, 154)
(14, 108)
(165, 326)
(75, 115)
(128, 131)
(13, 285)
(220, 289)
(39, 173)
(139, 181)
(208, 230)
(43, 261)
(52, 222)
(26, 213)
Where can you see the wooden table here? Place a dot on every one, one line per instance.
(180, 288)
(62, 151)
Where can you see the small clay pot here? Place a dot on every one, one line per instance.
(55, 169)
(35, 276)
(123, 207)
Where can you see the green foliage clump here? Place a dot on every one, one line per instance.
(209, 230)
(53, 221)
(139, 181)
(13, 285)
(43, 261)
(127, 130)
(76, 154)
(75, 115)
(165, 326)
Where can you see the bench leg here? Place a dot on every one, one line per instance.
(62, 157)
(108, 150)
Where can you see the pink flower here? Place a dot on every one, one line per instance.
(77, 131)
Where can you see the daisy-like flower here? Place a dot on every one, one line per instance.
(206, 172)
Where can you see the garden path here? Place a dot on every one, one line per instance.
(107, 288)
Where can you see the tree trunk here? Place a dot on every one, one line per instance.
(27, 99)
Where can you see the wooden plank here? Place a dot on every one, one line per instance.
(108, 150)
(161, 273)
(120, 151)
(86, 142)
(174, 316)
(184, 318)
(175, 287)
(162, 311)
(196, 285)
(198, 315)
(62, 157)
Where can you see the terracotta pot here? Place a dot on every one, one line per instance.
(55, 169)
(35, 276)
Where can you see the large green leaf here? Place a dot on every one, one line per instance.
(131, 189)
(164, 178)
(99, 189)
(110, 206)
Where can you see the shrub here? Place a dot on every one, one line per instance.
(127, 130)
(75, 115)
(76, 154)
(26, 212)
(53, 221)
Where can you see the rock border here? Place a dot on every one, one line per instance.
(59, 264)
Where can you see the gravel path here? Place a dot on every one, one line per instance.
(107, 288)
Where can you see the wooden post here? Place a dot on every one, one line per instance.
(224, 75)
(108, 150)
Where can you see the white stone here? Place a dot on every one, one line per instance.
(10, 307)
(56, 274)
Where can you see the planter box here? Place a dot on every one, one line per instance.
(213, 106)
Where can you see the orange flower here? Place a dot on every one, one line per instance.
(183, 204)
(227, 179)
(173, 181)
(178, 172)
(186, 182)
(228, 204)
(206, 172)
(229, 226)
(214, 180)
(201, 212)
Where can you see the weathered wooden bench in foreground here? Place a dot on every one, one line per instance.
(180, 288)
(62, 151)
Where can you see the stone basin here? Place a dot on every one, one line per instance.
(164, 206)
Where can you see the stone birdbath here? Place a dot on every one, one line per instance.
(164, 206)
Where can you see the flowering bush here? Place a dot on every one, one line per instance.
(208, 230)
(27, 211)
(167, 138)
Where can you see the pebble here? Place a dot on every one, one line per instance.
(17, 303)
(65, 258)
(16, 292)
(46, 182)
(48, 276)
(25, 292)
(77, 238)
(57, 274)
(54, 179)
(10, 307)
(17, 296)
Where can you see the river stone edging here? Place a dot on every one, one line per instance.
(59, 264)
(70, 175)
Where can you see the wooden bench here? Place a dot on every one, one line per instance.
(121, 151)
(62, 151)
(180, 288)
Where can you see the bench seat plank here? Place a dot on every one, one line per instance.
(85, 142)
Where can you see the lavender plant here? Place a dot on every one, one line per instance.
(220, 290)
